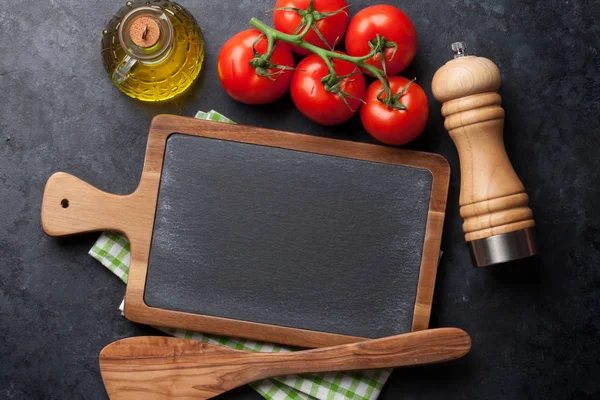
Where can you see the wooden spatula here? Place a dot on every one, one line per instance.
(162, 367)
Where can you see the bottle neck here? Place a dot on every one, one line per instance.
(146, 34)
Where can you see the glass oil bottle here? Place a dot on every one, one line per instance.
(153, 50)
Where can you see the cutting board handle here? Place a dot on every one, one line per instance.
(71, 206)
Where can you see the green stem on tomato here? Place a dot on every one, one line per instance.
(324, 55)
(309, 22)
(270, 46)
(273, 35)
(377, 73)
(297, 41)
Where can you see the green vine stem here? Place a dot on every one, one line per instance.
(331, 80)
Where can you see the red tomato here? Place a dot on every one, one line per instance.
(390, 126)
(332, 27)
(239, 78)
(318, 104)
(387, 21)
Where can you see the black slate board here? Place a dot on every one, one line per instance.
(287, 238)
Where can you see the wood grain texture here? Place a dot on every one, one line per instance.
(82, 215)
(492, 198)
(161, 367)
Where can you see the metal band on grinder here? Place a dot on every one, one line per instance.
(503, 248)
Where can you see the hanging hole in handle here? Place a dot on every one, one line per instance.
(64, 203)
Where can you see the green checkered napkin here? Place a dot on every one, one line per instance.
(112, 250)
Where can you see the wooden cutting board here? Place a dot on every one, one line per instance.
(268, 235)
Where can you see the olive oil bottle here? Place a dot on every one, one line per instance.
(153, 50)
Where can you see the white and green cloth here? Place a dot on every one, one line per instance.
(112, 250)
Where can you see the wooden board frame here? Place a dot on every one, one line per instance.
(72, 206)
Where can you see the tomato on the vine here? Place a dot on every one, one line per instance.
(393, 125)
(241, 80)
(332, 21)
(389, 22)
(312, 97)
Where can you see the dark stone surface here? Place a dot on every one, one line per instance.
(534, 324)
(287, 238)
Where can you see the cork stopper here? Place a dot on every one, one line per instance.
(144, 32)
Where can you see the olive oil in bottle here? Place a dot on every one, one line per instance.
(153, 50)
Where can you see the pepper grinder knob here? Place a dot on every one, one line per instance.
(459, 49)
(498, 223)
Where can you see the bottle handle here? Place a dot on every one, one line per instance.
(121, 73)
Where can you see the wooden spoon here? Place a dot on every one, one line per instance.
(155, 367)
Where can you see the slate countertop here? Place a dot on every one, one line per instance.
(534, 324)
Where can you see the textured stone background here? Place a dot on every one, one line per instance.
(534, 324)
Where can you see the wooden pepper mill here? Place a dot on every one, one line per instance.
(497, 220)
